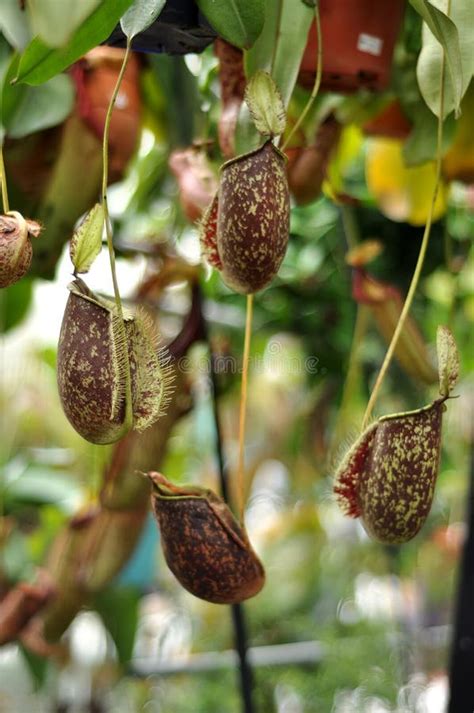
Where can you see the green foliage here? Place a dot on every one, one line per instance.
(55, 22)
(313, 557)
(140, 16)
(25, 110)
(278, 51)
(86, 242)
(13, 25)
(14, 304)
(265, 104)
(444, 31)
(39, 62)
(118, 608)
(238, 21)
(37, 666)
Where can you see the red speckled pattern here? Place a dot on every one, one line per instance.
(397, 488)
(15, 251)
(350, 471)
(253, 218)
(205, 547)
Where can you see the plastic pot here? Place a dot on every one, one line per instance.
(358, 41)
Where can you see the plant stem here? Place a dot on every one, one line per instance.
(243, 408)
(108, 230)
(237, 610)
(317, 81)
(105, 176)
(419, 263)
(3, 180)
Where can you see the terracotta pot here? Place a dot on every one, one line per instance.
(358, 41)
(390, 122)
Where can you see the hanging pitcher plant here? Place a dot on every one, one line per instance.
(283, 159)
(204, 545)
(111, 375)
(388, 476)
(245, 230)
(16, 249)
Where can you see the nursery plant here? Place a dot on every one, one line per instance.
(295, 203)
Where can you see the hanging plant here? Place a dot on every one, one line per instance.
(388, 476)
(92, 369)
(16, 250)
(245, 230)
(204, 545)
(111, 376)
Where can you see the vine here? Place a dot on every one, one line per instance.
(419, 264)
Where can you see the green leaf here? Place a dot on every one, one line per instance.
(15, 302)
(448, 360)
(14, 24)
(265, 104)
(280, 47)
(239, 22)
(41, 107)
(86, 242)
(140, 16)
(37, 666)
(55, 21)
(118, 609)
(10, 96)
(421, 145)
(440, 34)
(39, 62)
(278, 50)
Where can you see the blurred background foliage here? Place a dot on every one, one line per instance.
(381, 615)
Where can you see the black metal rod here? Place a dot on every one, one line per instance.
(237, 610)
(461, 698)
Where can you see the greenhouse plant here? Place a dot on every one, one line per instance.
(236, 351)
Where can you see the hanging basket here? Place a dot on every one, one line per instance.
(358, 41)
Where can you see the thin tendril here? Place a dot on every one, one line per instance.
(419, 263)
(108, 231)
(317, 81)
(3, 180)
(243, 407)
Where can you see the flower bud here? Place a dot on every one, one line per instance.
(204, 546)
(15, 246)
